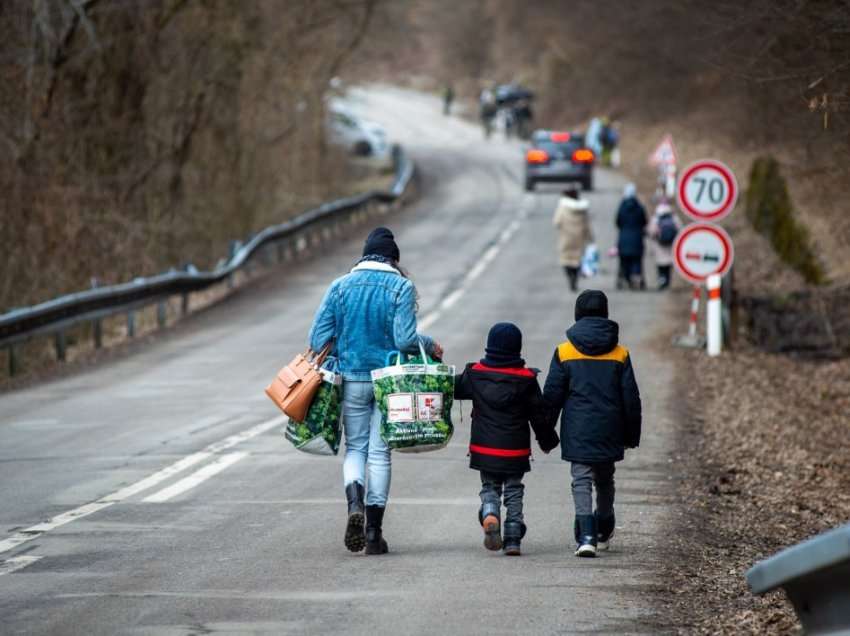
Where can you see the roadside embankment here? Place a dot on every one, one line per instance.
(761, 446)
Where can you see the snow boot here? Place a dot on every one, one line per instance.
(514, 532)
(604, 531)
(355, 538)
(488, 517)
(375, 543)
(585, 535)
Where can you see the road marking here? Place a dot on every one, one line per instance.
(33, 532)
(157, 477)
(17, 563)
(196, 478)
(487, 257)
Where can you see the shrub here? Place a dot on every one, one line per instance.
(769, 209)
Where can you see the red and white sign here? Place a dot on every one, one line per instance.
(664, 154)
(702, 249)
(707, 190)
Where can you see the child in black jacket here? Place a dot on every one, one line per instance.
(592, 381)
(505, 399)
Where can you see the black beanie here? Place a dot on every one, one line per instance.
(591, 302)
(504, 346)
(382, 243)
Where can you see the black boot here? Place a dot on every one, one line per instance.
(586, 536)
(355, 538)
(514, 532)
(604, 531)
(375, 543)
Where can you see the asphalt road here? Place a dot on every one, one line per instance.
(155, 494)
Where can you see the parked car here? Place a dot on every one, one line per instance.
(362, 137)
(558, 157)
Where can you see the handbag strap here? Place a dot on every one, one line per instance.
(319, 358)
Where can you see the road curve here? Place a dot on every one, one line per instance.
(155, 494)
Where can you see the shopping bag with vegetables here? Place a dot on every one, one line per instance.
(321, 430)
(415, 398)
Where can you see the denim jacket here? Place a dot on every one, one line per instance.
(369, 312)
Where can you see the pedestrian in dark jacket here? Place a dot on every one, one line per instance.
(631, 223)
(506, 398)
(592, 382)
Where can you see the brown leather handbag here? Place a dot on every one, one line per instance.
(295, 385)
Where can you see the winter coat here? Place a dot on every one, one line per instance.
(574, 233)
(504, 402)
(369, 312)
(592, 381)
(631, 221)
(663, 254)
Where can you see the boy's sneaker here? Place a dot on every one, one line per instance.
(492, 532)
(604, 532)
(585, 536)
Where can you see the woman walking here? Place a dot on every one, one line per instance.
(574, 233)
(631, 223)
(368, 313)
(663, 229)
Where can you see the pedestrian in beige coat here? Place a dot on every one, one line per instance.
(574, 233)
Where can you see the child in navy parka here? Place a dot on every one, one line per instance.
(592, 382)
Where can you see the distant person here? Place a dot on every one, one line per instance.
(506, 399)
(609, 138)
(592, 382)
(663, 229)
(631, 223)
(524, 115)
(448, 98)
(574, 232)
(487, 109)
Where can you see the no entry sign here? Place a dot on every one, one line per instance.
(702, 249)
(707, 190)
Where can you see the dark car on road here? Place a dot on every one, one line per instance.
(558, 157)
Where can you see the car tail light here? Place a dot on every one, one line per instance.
(535, 155)
(583, 155)
(560, 136)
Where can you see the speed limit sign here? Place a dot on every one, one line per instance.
(707, 190)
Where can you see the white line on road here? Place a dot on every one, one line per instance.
(16, 563)
(33, 532)
(488, 257)
(196, 478)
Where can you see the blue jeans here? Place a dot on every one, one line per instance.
(365, 451)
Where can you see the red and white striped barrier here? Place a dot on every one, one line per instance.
(692, 325)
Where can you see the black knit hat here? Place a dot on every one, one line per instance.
(504, 346)
(591, 302)
(382, 243)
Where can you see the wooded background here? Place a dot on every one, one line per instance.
(145, 134)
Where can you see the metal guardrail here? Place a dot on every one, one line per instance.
(815, 575)
(57, 315)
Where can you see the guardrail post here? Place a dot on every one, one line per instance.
(131, 324)
(13, 360)
(184, 304)
(97, 333)
(61, 345)
(234, 247)
(161, 314)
